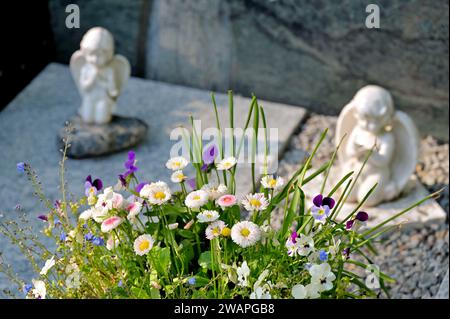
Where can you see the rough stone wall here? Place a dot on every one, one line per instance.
(314, 53)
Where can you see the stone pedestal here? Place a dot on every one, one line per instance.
(90, 140)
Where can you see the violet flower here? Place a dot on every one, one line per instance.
(360, 217)
(192, 182)
(43, 217)
(130, 164)
(92, 187)
(21, 167)
(210, 154)
(322, 207)
(140, 186)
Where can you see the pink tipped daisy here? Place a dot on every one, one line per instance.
(226, 200)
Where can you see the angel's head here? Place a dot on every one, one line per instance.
(374, 108)
(97, 46)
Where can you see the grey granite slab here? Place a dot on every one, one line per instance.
(30, 123)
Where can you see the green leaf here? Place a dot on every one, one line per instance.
(205, 260)
(186, 252)
(186, 233)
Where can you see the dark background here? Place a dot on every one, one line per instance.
(312, 53)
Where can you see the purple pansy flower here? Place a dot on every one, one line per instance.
(294, 237)
(360, 217)
(130, 164)
(346, 253)
(140, 186)
(43, 217)
(192, 182)
(92, 187)
(210, 154)
(322, 207)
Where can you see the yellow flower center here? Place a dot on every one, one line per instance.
(255, 202)
(177, 164)
(144, 245)
(226, 232)
(209, 215)
(196, 197)
(245, 232)
(160, 195)
(216, 231)
(273, 182)
(321, 212)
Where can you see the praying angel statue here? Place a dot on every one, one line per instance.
(99, 75)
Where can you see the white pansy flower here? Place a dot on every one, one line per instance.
(214, 191)
(255, 202)
(245, 233)
(214, 229)
(299, 292)
(260, 293)
(86, 214)
(156, 193)
(48, 264)
(39, 291)
(177, 163)
(242, 274)
(196, 199)
(178, 177)
(270, 182)
(112, 243)
(111, 223)
(322, 276)
(208, 216)
(133, 209)
(226, 163)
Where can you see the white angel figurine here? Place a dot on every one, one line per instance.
(370, 119)
(99, 74)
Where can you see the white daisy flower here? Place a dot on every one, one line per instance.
(270, 182)
(255, 202)
(156, 193)
(143, 244)
(322, 276)
(48, 264)
(177, 163)
(214, 191)
(226, 163)
(245, 233)
(208, 216)
(196, 199)
(39, 291)
(214, 229)
(178, 177)
(111, 223)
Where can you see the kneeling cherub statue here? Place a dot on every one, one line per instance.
(99, 74)
(370, 119)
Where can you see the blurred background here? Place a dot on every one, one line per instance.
(312, 53)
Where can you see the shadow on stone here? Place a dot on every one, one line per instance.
(91, 140)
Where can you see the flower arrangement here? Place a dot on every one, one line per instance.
(196, 238)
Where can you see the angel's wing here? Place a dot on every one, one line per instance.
(122, 70)
(76, 63)
(345, 124)
(407, 148)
